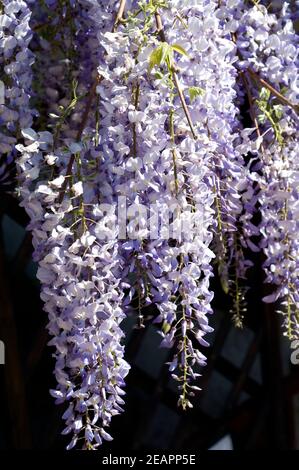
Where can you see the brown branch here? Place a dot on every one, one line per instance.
(273, 90)
(162, 37)
(184, 104)
(119, 15)
(91, 96)
(160, 28)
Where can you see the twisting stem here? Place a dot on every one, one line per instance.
(184, 402)
(273, 90)
(173, 151)
(251, 107)
(136, 95)
(220, 236)
(91, 96)
(78, 137)
(119, 15)
(238, 308)
(184, 104)
(247, 83)
(174, 155)
(162, 37)
(81, 204)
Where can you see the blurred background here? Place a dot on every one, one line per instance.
(250, 393)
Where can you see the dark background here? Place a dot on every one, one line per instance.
(250, 388)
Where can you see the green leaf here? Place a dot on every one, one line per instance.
(224, 284)
(155, 58)
(179, 49)
(194, 92)
(182, 21)
(261, 118)
(159, 55)
(277, 108)
(265, 94)
(283, 90)
(159, 75)
(166, 327)
(166, 51)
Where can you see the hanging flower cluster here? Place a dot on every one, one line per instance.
(268, 62)
(139, 175)
(15, 80)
